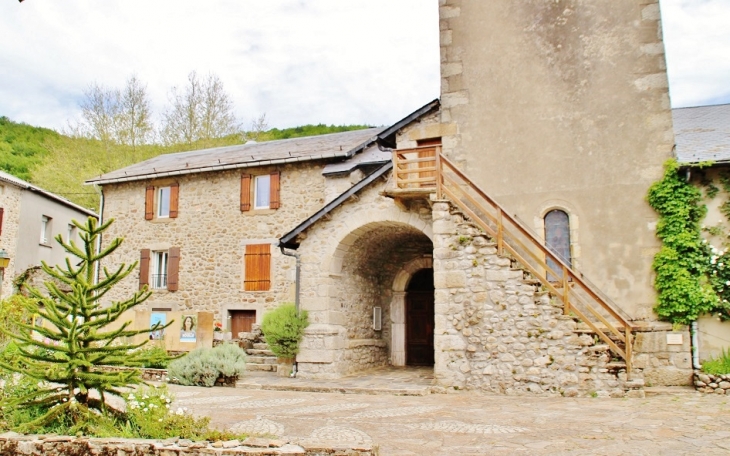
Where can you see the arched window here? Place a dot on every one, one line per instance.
(557, 238)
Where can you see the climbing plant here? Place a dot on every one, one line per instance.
(683, 265)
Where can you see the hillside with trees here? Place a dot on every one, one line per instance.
(116, 130)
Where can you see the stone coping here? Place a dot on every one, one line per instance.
(54, 445)
(352, 343)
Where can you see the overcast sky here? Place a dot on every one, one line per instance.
(306, 61)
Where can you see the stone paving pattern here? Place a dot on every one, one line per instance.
(470, 423)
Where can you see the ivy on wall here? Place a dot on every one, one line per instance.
(683, 265)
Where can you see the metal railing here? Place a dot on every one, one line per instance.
(424, 169)
(159, 281)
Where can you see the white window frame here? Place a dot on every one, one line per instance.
(163, 202)
(45, 229)
(71, 232)
(261, 187)
(158, 271)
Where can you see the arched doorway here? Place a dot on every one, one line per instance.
(420, 319)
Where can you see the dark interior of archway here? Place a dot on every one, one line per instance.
(421, 281)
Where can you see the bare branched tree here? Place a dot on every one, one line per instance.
(201, 111)
(258, 127)
(100, 110)
(134, 126)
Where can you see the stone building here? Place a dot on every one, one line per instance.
(30, 219)
(462, 237)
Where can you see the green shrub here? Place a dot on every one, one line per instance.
(203, 366)
(719, 365)
(284, 329)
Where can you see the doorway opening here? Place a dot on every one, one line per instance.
(242, 321)
(420, 319)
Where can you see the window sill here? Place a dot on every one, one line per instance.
(49, 246)
(162, 220)
(260, 211)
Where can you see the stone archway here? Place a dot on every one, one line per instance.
(398, 308)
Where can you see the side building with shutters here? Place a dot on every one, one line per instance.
(205, 225)
(30, 220)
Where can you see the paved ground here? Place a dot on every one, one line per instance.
(466, 423)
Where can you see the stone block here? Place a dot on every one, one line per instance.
(668, 376)
(450, 279)
(449, 343)
(501, 275)
(316, 356)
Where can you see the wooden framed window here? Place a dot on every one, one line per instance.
(161, 202)
(159, 269)
(261, 191)
(257, 267)
(2, 213)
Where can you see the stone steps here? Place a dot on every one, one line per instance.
(261, 367)
(262, 359)
(255, 352)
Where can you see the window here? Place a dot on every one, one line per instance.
(161, 202)
(262, 192)
(2, 214)
(263, 189)
(45, 229)
(557, 239)
(71, 233)
(158, 279)
(159, 269)
(257, 267)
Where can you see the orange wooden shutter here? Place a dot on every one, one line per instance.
(149, 203)
(258, 267)
(245, 192)
(274, 198)
(2, 213)
(173, 268)
(144, 268)
(174, 194)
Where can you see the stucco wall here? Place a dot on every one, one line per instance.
(564, 105)
(212, 233)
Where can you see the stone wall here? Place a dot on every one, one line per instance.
(496, 332)
(212, 233)
(574, 115)
(10, 202)
(708, 383)
(349, 263)
(12, 444)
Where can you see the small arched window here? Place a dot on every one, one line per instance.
(557, 238)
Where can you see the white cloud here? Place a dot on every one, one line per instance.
(331, 61)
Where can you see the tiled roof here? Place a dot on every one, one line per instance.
(702, 133)
(334, 145)
(9, 178)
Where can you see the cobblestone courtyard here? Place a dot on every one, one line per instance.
(466, 423)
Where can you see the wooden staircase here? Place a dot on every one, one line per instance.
(422, 171)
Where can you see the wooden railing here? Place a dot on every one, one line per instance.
(425, 170)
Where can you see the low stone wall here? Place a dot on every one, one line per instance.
(362, 354)
(148, 375)
(12, 444)
(708, 383)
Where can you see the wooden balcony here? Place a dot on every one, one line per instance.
(414, 172)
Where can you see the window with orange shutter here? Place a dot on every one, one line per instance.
(257, 267)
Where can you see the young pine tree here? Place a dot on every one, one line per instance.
(79, 339)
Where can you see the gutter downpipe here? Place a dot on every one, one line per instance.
(297, 281)
(695, 346)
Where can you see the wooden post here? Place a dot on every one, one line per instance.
(566, 298)
(439, 182)
(499, 232)
(628, 350)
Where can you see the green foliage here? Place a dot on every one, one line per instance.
(284, 329)
(306, 130)
(12, 312)
(719, 365)
(155, 357)
(203, 366)
(22, 147)
(66, 356)
(682, 264)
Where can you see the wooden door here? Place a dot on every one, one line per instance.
(241, 321)
(419, 328)
(428, 153)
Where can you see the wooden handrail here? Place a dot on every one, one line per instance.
(417, 169)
